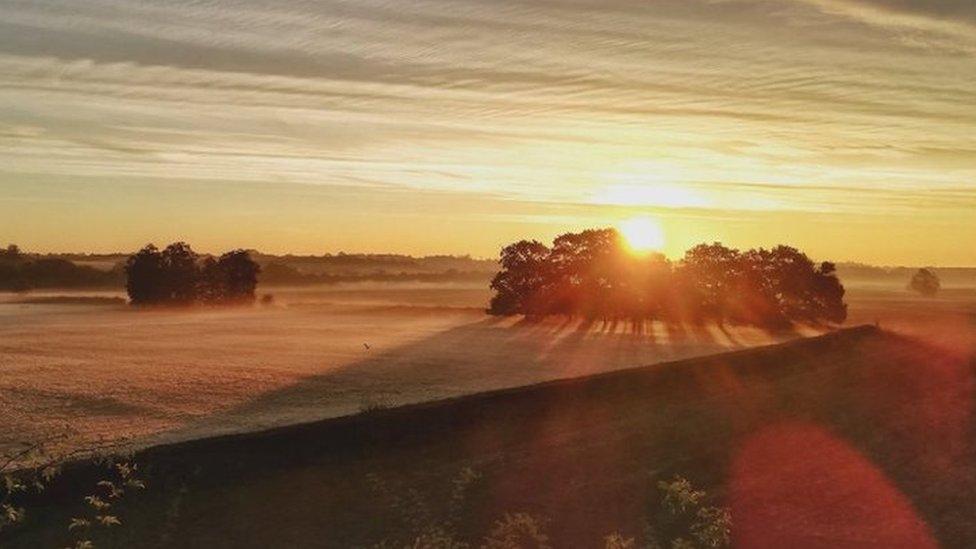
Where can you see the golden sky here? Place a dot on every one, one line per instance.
(845, 127)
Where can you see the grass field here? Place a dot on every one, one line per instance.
(96, 370)
(857, 438)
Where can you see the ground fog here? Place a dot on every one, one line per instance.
(91, 369)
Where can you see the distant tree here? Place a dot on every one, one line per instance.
(278, 272)
(181, 273)
(11, 253)
(22, 272)
(238, 276)
(145, 274)
(177, 276)
(925, 282)
(11, 270)
(210, 282)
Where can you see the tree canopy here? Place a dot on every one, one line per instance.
(178, 276)
(593, 274)
(925, 282)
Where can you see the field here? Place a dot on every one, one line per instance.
(91, 368)
(863, 437)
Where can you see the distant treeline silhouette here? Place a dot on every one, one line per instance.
(21, 272)
(178, 276)
(594, 275)
(281, 274)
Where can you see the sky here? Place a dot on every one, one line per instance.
(844, 127)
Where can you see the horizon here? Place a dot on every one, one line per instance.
(472, 257)
(841, 127)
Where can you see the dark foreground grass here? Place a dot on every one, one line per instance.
(856, 438)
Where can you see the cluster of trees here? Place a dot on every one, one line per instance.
(178, 276)
(593, 274)
(20, 271)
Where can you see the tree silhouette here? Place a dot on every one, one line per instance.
(592, 274)
(238, 276)
(210, 283)
(708, 277)
(145, 277)
(181, 273)
(10, 253)
(177, 276)
(925, 282)
(520, 283)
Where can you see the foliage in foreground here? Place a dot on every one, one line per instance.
(100, 503)
(683, 519)
(680, 517)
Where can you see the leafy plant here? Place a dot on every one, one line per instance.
(25, 471)
(517, 531)
(100, 504)
(686, 521)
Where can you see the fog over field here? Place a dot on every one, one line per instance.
(88, 366)
(95, 369)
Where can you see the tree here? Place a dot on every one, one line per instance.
(797, 289)
(593, 274)
(238, 277)
(828, 295)
(708, 275)
(583, 268)
(519, 285)
(210, 283)
(178, 276)
(925, 282)
(145, 277)
(181, 273)
(11, 253)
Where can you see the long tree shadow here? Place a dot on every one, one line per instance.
(478, 356)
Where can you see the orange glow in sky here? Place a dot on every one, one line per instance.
(843, 127)
(643, 234)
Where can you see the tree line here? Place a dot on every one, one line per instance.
(21, 272)
(177, 275)
(592, 274)
(281, 274)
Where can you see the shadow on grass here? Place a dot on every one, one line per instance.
(489, 354)
(584, 452)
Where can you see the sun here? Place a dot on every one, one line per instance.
(642, 234)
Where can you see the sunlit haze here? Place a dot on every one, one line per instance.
(643, 234)
(844, 127)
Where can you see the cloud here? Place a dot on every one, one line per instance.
(952, 10)
(953, 18)
(537, 100)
